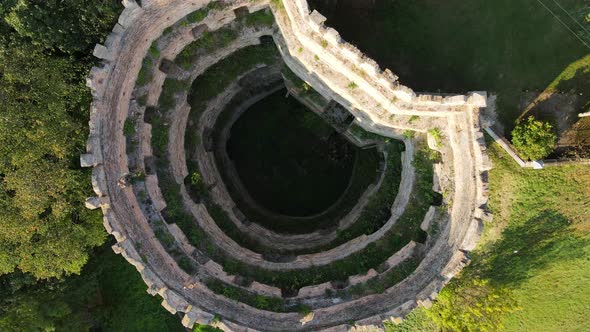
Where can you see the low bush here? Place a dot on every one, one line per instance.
(533, 139)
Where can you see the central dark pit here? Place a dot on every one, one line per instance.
(288, 159)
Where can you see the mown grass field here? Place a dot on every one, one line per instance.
(545, 217)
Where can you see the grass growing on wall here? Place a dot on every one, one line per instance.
(207, 43)
(261, 302)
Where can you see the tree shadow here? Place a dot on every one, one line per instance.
(528, 247)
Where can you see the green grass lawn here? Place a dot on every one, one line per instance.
(545, 215)
(538, 246)
(503, 46)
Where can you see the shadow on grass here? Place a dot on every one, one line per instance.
(528, 247)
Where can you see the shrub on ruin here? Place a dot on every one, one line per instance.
(533, 139)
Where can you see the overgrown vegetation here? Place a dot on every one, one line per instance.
(257, 301)
(214, 40)
(46, 234)
(44, 228)
(109, 295)
(359, 263)
(208, 85)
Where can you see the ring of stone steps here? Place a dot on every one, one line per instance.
(174, 144)
(233, 250)
(173, 121)
(269, 238)
(120, 205)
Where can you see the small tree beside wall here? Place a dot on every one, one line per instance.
(533, 139)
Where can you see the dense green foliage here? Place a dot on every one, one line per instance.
(533, 139)
(109, 296)
(45, 231)
(472, 305)
(66, 25)
(44, 228)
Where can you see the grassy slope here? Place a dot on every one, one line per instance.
(545, 216)
(551, 273)
(501, 46)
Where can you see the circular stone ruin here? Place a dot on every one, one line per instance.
(177, 78)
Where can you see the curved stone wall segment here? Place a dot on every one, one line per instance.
(374, 99)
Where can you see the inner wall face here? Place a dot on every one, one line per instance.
(289, 160)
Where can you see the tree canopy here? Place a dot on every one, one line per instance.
(533, 139)
(67, 25)
(44, 228)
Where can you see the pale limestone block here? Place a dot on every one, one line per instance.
(308, 318)
(179, 237)
(98, 179)
(267, 290)
(437, 171)
(426, 303)
(315, 290)
(428, 218)
(358, 279)
(130, 4)
(87, 160)
(404, 253)
(151, 183)
(478, 99)
(316, 20)
(101, 52)
(333, 37)
(92, 203)
(455, 100)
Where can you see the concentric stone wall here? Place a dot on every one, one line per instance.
(340, 73)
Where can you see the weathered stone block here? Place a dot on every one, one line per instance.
(316, 20)
(478, 99)
(333, 37)
(87, 160)
(428, 218)
(101, 52)
(92, 203)
(199, 30)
